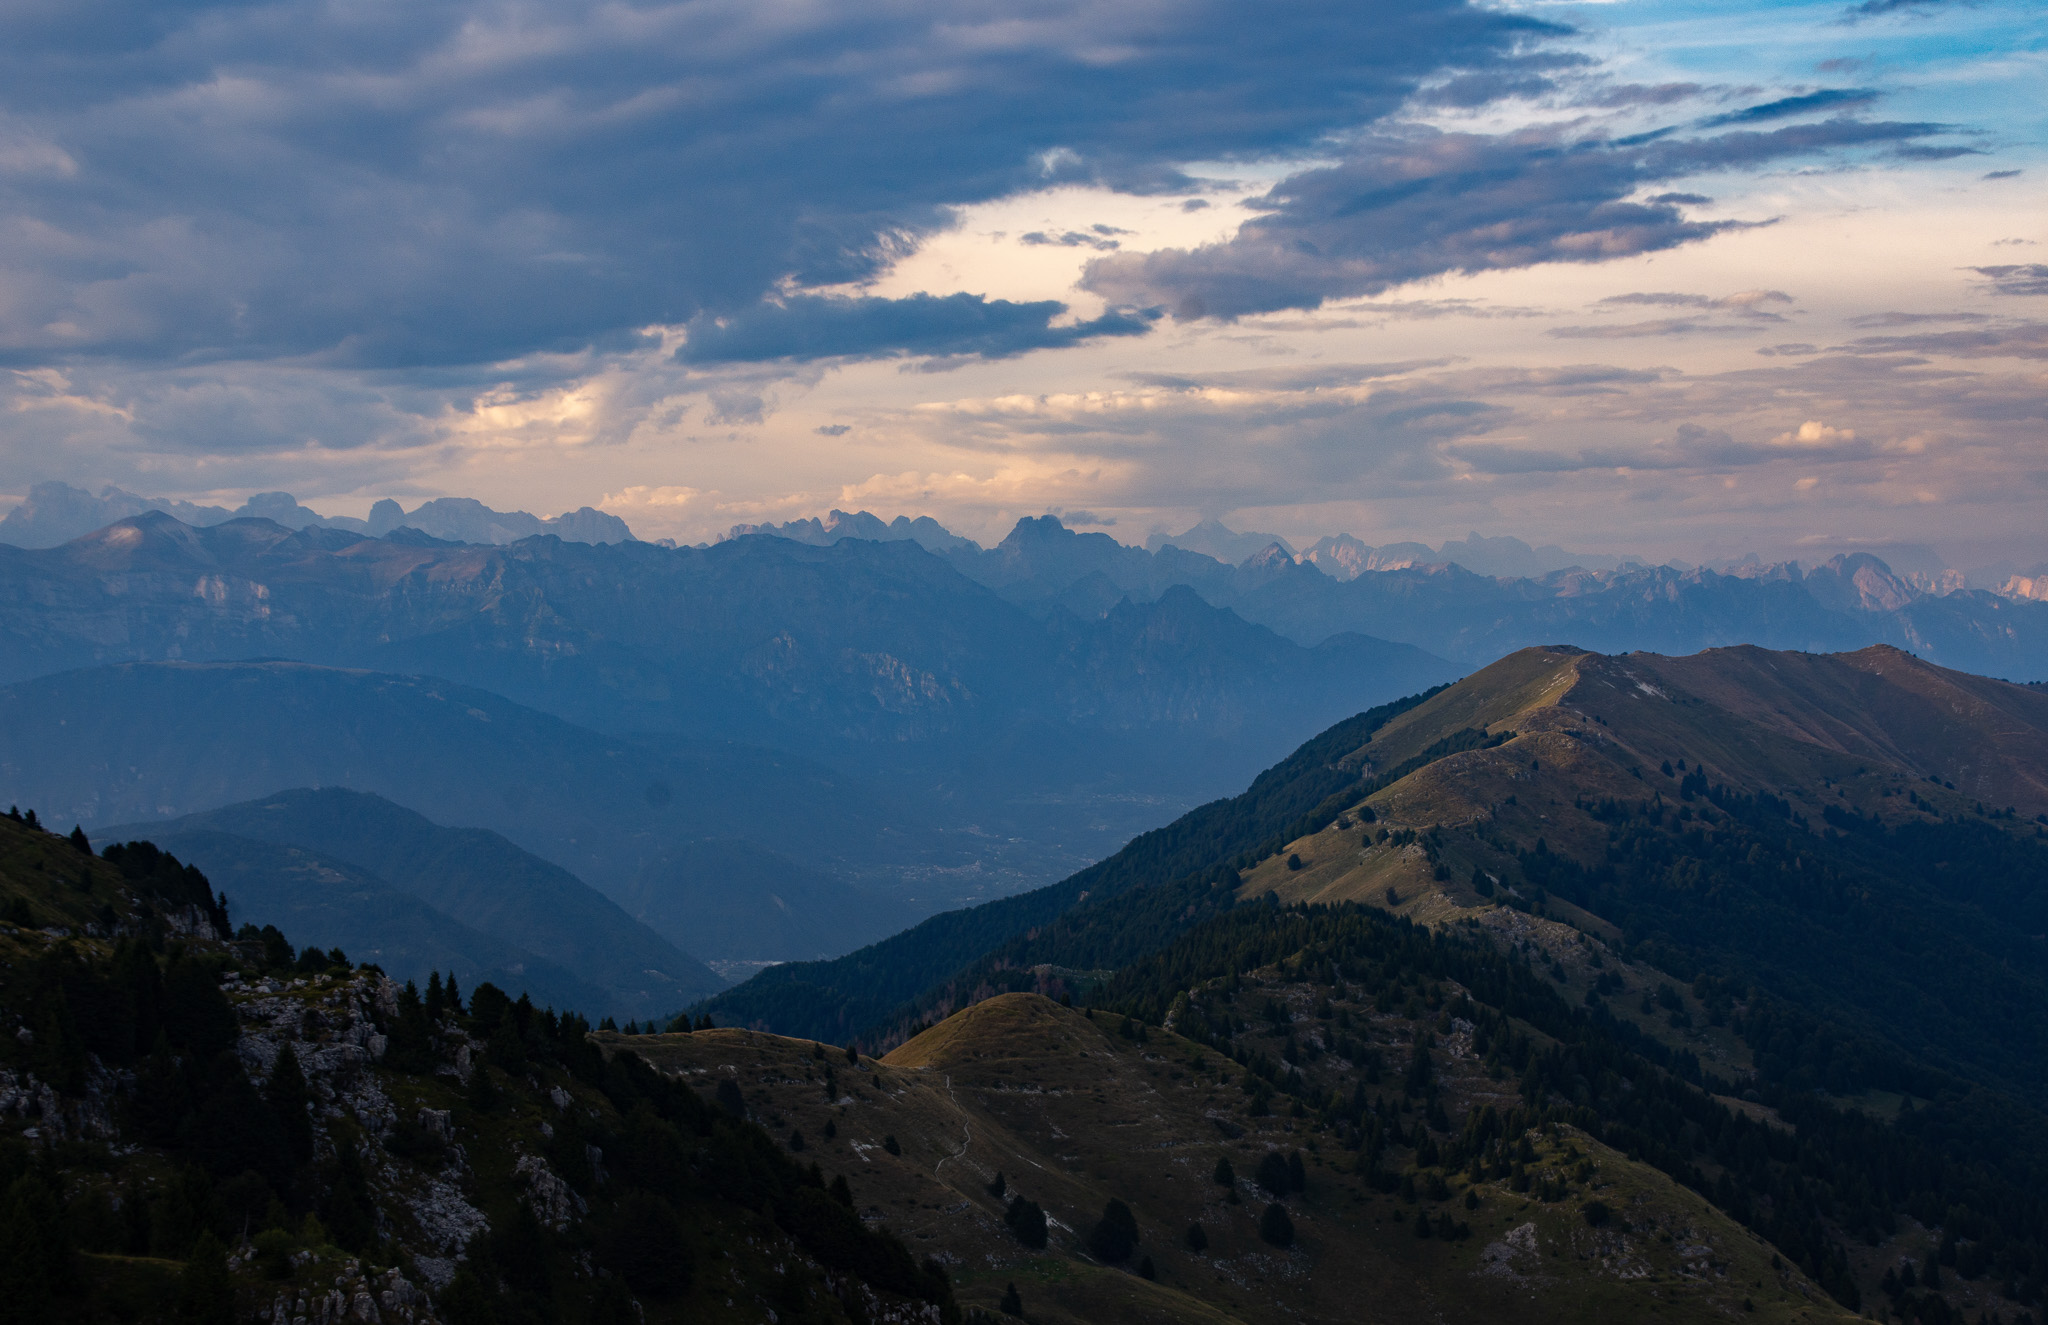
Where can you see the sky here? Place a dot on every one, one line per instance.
(1669, 279)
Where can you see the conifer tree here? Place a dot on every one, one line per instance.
(1115, 1235)
(1027, 1220)
(288, 1096)
(1275, 1227)
(206, 1294)
(36, 1260)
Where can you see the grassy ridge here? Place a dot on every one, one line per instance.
(863, 992)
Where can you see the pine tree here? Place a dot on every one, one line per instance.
(206, 1294)
(1027, 1220)
(1275, 1227)
(288, 1096)
(482, 1092)
(1012, 1304)
(466, 1302)
(36, 1261)
(1115, 1235)
(348, 1211)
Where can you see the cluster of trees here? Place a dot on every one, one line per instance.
(1836, 1169)
(229, 1157)
(672, 1162)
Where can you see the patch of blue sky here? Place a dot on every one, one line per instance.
(1979, 67)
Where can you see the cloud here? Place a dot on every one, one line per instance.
(1748, 303)
(1672, 458)
(463, 182)
(1835, 98)
(1075, 239)
(1420, 203)
(1691, 446)
(1629, 95)
(1879, 8)
(2003, 174)
(833, 429)
(1912, 319)
(2020, 340)
(806, 327)
(2024, 278)
(1670, 326)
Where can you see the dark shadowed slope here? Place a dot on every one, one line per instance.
(156, 740)
(473, 875)
(315, 899)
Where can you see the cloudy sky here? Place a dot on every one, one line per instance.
(1673, 277)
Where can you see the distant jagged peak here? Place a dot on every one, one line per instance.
(467, 520)
(1345, 557)
(55, 513)
(1858, 582)
(1270, 558)
(1212, 538)
(837, 525)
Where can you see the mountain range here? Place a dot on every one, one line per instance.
(1036, 741)
(1586, 987)
(956, 724)
(55, 513)
(1472, 600)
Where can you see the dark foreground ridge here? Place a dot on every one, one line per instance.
(198, 1127)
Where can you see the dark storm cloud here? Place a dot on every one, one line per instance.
(1834, 98)
(460, 181)
(1879, 8)
(805, 327)
(1073, 239)
(1405, 206)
